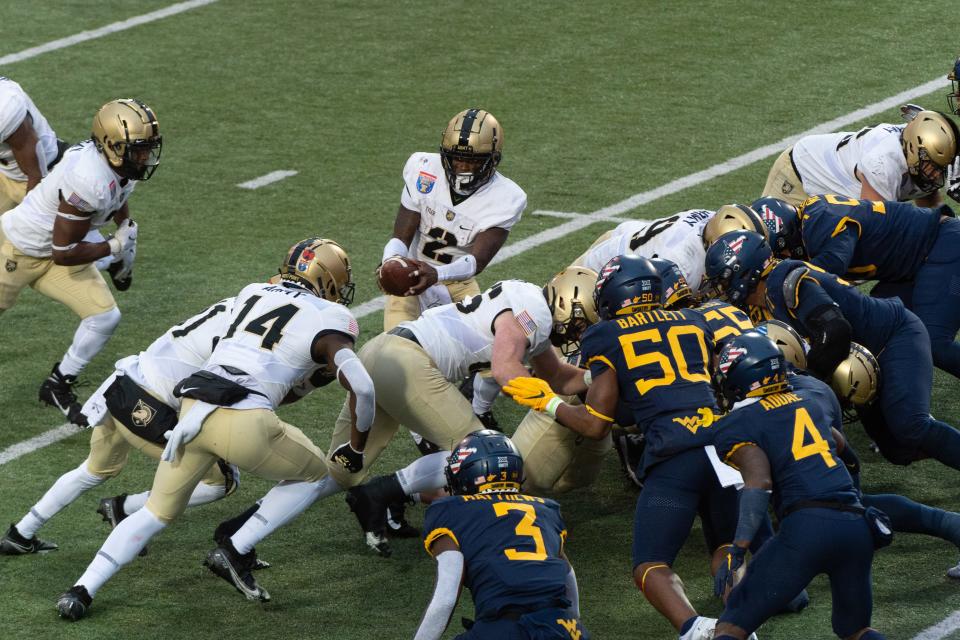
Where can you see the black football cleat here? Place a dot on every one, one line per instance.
(237, 569)
(14, 544)
(369, 503)
(57, 391)
(74, 604)
(226, 529)
(121, 284)
(489, 421)
(397, 525)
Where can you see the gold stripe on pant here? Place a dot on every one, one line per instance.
(255, 440)
(410, 391)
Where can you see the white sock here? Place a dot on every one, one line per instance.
(122, 545)
(134, 503)
(89, 339)
(424, 474)
(65, 490)
(282, 504)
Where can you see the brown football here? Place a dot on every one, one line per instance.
(396, 275)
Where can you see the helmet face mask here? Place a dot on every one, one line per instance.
(953, 98)
(485, 461)
(470, 150)
(322, 267)
(627, 284)
(570, 298)
(127, 133)
(929, 145)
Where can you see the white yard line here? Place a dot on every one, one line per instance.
(941, 630)
(270, 178)
(37, 442)
(84, 36)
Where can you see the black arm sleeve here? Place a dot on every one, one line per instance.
(829, 339)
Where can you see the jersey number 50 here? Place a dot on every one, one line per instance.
(670, 369)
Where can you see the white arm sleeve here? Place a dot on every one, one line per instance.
(394, 247)
(437, 616)
(349, 365)
(460, 269)
(573, 594)
(485, 391)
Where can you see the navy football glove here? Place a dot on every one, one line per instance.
(731, 563)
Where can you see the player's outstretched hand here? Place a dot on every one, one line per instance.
(348, 458)
(530, 392)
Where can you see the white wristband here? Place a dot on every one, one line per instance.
(115, 246)
(551, 408)
(394, 247)
(587, 377)
(460, 269)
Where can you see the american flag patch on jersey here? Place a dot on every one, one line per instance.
(76, 201)
(526, 322)
(353, 327)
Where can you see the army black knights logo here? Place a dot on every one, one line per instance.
(142, 414)
(11, 265)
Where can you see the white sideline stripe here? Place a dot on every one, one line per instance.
(84, 36)
(585, 220)
(37, 442)
(573, 216)
(270, 178)
(942, 629)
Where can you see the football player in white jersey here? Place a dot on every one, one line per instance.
(133, 409)
(455, 213)
(682, 238)
(883, 162)
(277, 335)
(28, 146)
(50, 241)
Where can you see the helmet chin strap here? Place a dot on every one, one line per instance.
(457, 186)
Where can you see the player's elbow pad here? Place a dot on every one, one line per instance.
(353, 371)
(460, 269)
(831, 340)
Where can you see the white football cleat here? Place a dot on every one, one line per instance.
(954, 572)
(702, 629)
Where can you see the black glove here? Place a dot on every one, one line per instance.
(489, 421)
(348, 458)
(121, 285)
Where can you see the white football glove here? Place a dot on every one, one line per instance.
(186, 430)
(953, 179)
(124, 238)
(127, 256)
(909, 111)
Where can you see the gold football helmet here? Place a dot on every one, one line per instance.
(126, 132)
(857, 379)
(322, 266)
(930, 144)
(470, 150)
(787, 340)
(570, 298)
(733, 217)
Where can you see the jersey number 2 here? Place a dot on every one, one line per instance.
(526, 528)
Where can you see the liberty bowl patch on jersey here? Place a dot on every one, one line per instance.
(425, 182)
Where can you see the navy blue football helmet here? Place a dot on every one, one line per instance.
(675, 291)
(627, 284)
(954, 96)
(783, 225)
(734, 265)
(483, 462)
(749, 365)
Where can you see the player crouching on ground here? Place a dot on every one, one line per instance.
(786, 440)
(505, 546)
(278, 333)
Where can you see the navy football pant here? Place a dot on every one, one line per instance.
(906, 372)
(912, 517)
(674, 492)
(935, 296)
(545, 624)
(809, 542)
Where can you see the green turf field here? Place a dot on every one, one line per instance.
(599, 101)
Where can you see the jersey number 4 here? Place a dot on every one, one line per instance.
(269, 325)
(525, 528)
(802, 427)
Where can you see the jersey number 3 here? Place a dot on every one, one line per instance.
(525, 528)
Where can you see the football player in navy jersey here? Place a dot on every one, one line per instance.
(830, 313)
(655, 361)
(784, 440)
(506, 547)
(913, 251)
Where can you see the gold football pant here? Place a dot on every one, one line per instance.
(783, 181)
(80, 287)
(410, 391)
(110, 444)
(400, 309)
(581, 259)
(255, 440)
(12, 193)
(556, 458)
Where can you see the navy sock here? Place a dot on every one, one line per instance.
(912, 517)
(941, 442)
(873, 634)
(686, 625)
